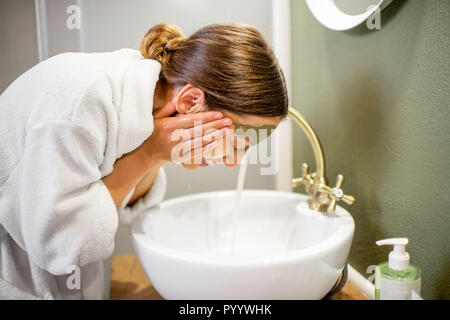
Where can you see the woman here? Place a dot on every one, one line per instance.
(84, 137)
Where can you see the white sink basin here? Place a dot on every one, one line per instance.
(283, 250)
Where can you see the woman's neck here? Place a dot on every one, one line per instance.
(161, 94)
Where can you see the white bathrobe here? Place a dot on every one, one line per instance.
(63, 124)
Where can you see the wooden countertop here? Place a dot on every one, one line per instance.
(129, 282)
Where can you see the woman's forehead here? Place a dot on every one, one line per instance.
(253, 121)
(245, 127)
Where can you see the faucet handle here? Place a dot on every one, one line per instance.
(336, 194)
(305, 179)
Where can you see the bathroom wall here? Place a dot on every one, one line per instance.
(18, 46)
(379, 101)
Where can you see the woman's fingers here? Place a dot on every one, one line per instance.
(204, 140)
(232, 159)
(190, 120)
(195, 156)
(200, 130)
(235, 150)
(206, 128)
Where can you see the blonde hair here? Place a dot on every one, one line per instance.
(231, 63)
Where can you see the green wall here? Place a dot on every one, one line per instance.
(379, 101)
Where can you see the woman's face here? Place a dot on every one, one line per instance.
(233, 146)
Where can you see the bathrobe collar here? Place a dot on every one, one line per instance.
(136, 107)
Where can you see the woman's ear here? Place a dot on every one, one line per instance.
(190, 99)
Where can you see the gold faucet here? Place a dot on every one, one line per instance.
(323, 198)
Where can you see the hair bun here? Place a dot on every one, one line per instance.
(160, 41)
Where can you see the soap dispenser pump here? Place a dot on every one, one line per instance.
(396, 279)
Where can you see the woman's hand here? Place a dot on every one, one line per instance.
(140, 167)
(191, 134)
(229, 150)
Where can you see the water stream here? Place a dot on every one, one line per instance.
(237, 201)
(228, 226)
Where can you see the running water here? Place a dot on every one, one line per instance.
(228, 229)
(237, 202)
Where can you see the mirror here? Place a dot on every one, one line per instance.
(344, 14)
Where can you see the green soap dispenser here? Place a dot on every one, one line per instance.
(396, 279)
